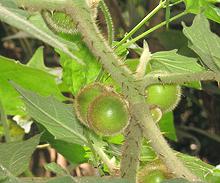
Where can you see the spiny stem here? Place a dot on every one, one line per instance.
(138, 26)
(160, 145)
(4, 121)
(179, 78)
(126, 45)
(131, 151)
(108, 20)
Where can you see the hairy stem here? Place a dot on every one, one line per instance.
(108, 20)
(160, 145)
(131, 151)
(179, 78)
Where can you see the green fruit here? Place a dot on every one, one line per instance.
(108, 114)
(156, 114)
(85, 97)
(156, 176)
(166, 97)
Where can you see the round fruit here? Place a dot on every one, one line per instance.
(108, 114)
(166, 97)
(85, 97)
(156, 114)
(156, 176)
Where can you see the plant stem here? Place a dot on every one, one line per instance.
(138, 26)
(178, 2)
(167, 14)
(111, 166)
(131, 151)
(180, 78)
(159, 144)
(126, 45)
(4, 121)
(108, 20)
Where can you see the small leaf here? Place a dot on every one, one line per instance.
(64, 179)
(37, 60)
(15, 156)
(205, 43)
(204, 6)
(196, 166)
(75, 76)
(172, 62)
(58, 118)
(7, 177)
(55, 168)
(167, 126)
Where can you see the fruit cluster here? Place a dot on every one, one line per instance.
(106, 112)
(101, 109)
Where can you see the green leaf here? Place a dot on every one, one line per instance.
(170, 61)
(205, 43)
(197, 166)
(58, 118)
(175, 39)
(55, 168)
(7, 177)
(37, 60)
(75, 76)
(65, 179)
(15, 156)
(210, 11)
(29, 78)
(72, 152)
(167, 126)
(147, 152)
(41, 32)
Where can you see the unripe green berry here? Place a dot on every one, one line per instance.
(108, 114)
(166, 97)
(85, 97)
(156, 176)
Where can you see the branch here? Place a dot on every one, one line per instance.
(108, 20)
(159, 144)
(179, 78)
(131, 150)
